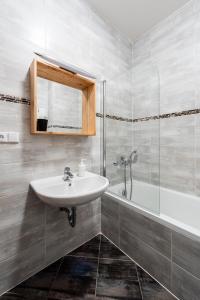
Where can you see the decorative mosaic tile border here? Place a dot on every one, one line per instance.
(158, 117)
(99, 115)
(13, 99)
(63, 126)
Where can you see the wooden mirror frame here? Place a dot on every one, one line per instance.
(59, 75)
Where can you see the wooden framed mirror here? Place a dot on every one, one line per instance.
(62, 103)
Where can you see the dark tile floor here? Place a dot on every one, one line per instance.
(96, 270)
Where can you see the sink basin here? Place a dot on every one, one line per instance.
(56, 192)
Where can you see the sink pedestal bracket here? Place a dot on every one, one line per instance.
(71, 214)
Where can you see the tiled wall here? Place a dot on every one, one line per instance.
(118, 133)
(170, 257)
(31, 234)
(166, 72)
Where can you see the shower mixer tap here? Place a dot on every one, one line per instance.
(124, 162)
(133, 159)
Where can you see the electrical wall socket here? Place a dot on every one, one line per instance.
(9, 137)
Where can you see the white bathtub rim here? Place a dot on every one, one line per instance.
(172, 224)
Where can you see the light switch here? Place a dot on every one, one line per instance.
(3, 137)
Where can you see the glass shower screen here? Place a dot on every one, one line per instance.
(131, 142)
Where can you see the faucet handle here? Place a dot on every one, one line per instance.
(68, 175)
(71, 175)
(67, 169)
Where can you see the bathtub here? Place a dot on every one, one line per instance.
(176, 210)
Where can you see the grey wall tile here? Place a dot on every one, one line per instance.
(16, 178)
(172, 43)
(68, 240)
(167, 60)
(177, 154)
(186, 253)
(152, 261)
(184, 285)
(22, 224)
(122, 145)
(24, 264)
(12, 247)
(146, 139)
(110, 219)
(25, 206)
(59, 232)
(197, 155)
(152, 233)
(146, 97)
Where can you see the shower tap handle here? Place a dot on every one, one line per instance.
(123, 161)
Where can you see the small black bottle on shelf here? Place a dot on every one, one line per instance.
(42, 124)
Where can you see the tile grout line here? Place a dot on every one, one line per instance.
(46, 265)
(139, 282)
(100, 258)
(97, 274)
(137, 264)
(53, 280)
(171, 264)
(55, 276)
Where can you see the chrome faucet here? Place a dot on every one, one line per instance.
(124, 162)
(68, 175)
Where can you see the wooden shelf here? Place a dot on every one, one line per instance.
(56, 74)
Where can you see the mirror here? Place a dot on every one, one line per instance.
(62, 103)
(59, 107)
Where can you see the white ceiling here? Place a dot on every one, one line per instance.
(134, 17)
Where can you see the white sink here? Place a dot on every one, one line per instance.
(56, 192)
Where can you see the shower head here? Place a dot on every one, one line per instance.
(133, 156)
